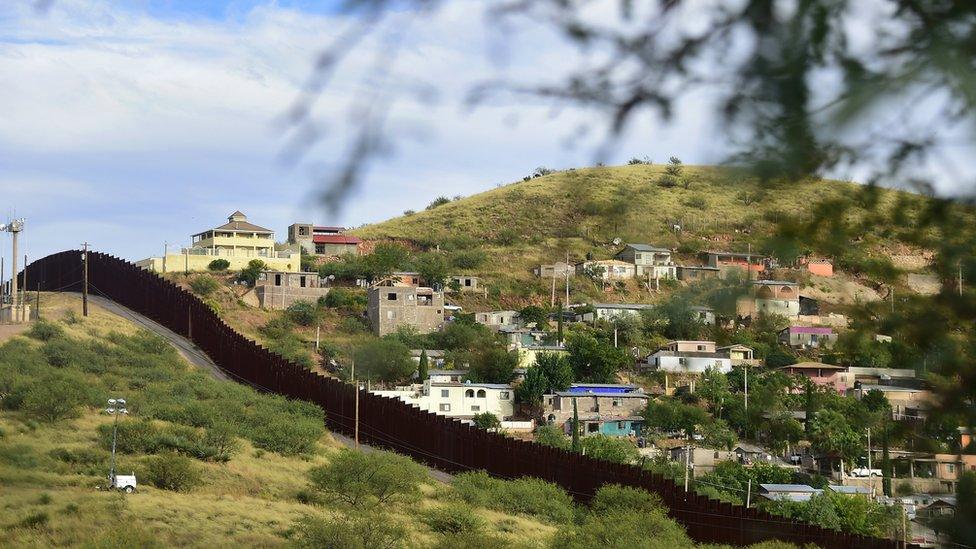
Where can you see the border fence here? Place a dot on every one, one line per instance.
(438, 441)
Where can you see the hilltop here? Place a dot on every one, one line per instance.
(581, 212)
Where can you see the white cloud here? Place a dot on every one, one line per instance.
(138, 129)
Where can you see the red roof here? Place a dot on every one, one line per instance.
(335, 239)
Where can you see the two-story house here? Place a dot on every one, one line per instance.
(320, 240)
(688, 357)
(649, 261)
(779, 297)
(390, 307)
(609, 409)
(462, 400)
(277, 290)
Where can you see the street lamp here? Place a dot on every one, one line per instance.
(116, 407)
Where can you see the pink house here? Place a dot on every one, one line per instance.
(826, 375)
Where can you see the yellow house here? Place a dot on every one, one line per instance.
(238, 241)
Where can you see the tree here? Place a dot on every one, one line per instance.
(556, 370)
(671, 415)
(672, 173)
(615, 449)
(439, 201)
(486, 421)
(365, 480)
(782, 429)
(530, 391)
(533, 314)
(576, 429)
(593, 360)
(386, 258)
(204, 285)
(303, 313)
(713, 387)
(718, 435)
(433, 269)
(367, 530)
(218, 265)
(492, 365)
(549, 435)
(422, 366)
(383, 360)
(249, 275)
(833, 435)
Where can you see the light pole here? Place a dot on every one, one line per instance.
(116, 407)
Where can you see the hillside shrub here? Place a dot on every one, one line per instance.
(476, 538)
(549, 435)
(249, 275)
(35, 519)
(172, 472)
(384, 360)
(506, 236)
(59, 353)
(525, 496)
(696, 202)
(204, 285)
(486, 420)
(20, 456)
(218, 265)
(45, 331)
(345, 298)
(614, 497)
(303, 313)
(453, 519)
(85, 461)
(367, 480)
(615, 449)
(623, 529)
(439, 201)
(349, 532)
(287, 435)
(468, 259)
(54, 398)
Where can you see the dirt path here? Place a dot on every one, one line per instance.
(187, 350)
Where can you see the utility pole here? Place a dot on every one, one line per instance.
(84, 284)
(13, 274)
(567, 280)
(318, 329)
(870, 473)
(552, 300)
(37, 305)
(745, 368)
(959, 278)
(26, 299)
(615, 332)
(749, 493)
(749, 262)
(892, 300)
(687, 462)
(165, 253)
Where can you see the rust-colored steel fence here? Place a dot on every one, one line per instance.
(436, 440)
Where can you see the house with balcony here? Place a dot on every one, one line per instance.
(688, 357)
(808, 337)
(323, 240)
(238, 242)
(824, 375)
(649, 261)
(462, 400)
(606, 408)
(780, 297)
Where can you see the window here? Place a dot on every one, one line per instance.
(469, 393)
(475, 408)
(391, 296)
(445, 393)
(951, 468)
(467, 282)
(320, 248)
(683, 361)
(637, 257)
(301, 281)
(481, 393)
(445, 407)
(620, 425)
(615, 402)
(504, 396)
(592, 427)
(303, 231)
(277, 280)
(701, 347)
(716, 455)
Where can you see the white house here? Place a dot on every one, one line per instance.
(496, 319)
(648, 261)
(688, 357)
(609, 269)
(609, 311)
(460, 400)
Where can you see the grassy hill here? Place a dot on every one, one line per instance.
(580, 212)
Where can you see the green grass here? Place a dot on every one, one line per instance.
(580, 212)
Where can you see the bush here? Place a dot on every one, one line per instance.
(365, 480)
(349, 532)
(249, 275)
(623, 529)
(218, 265)
(439, 201)
(204, 285)
(45, 331)
(548, 435)
(697, 202)
(487, 420)
(303, 313)
(526, 496)
(288, 435)
(458, 519)
(36, 519)
(468, 259)
(59, 353)
(614, 497)
(53, 399)
(344, 298)
(132, 437)
(172, 472)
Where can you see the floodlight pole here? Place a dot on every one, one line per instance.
(84, 285)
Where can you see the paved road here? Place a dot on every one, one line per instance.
(198, 358)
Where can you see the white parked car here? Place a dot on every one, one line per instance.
(126, 483)
(865, 472)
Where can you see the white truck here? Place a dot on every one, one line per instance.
(865, 472)
(126, 483)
